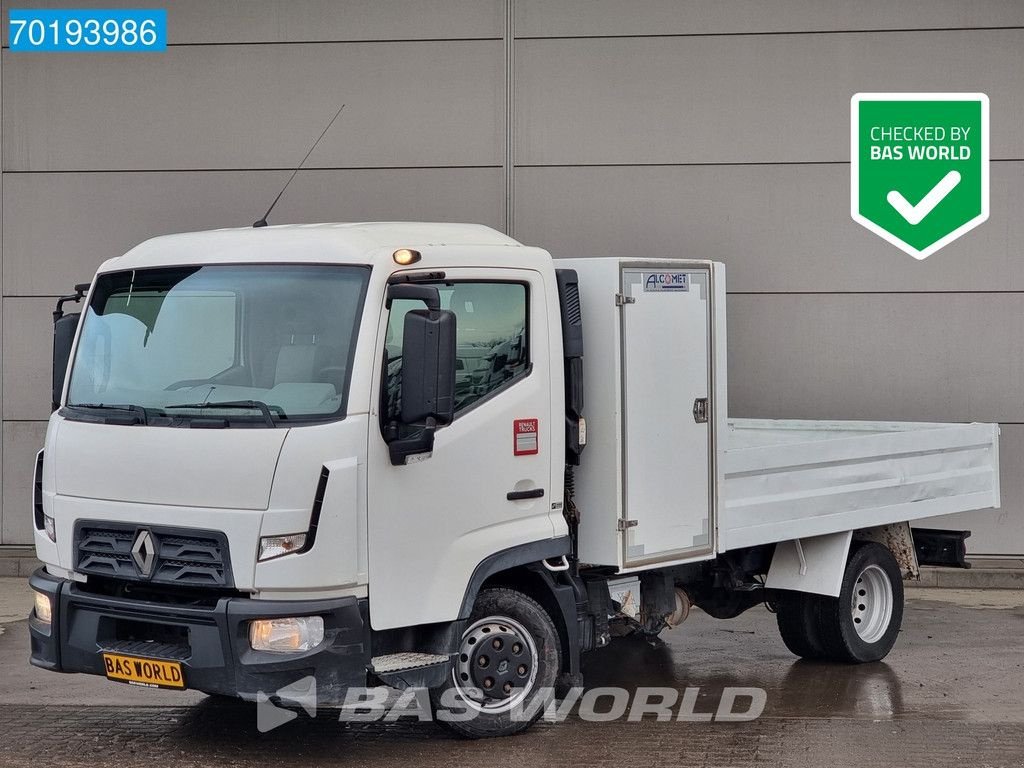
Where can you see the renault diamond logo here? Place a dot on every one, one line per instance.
(144, 553)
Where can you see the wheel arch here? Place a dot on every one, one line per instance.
(898, 538)
(508, 560)
(521, 568)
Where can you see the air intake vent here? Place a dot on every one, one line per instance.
(572, 315)
(318, 503)
(37, 493)
(572, 351)
(572, 305)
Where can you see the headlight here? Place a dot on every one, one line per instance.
(44, 610)
(286, 635)
(276, 546)
(50, 527)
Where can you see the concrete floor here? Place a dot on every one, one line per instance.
(951, 693)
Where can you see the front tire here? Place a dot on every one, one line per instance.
(508, 657)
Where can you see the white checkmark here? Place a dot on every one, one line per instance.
(915, 213)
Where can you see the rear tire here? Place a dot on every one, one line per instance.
(861, 624)
(797, 616)
(509, 656)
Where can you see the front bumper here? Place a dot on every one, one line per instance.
(211, 642)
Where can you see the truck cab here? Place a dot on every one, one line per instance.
(232, 411)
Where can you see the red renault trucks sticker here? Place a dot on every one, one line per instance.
(525, 439)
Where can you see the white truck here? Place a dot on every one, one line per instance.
(359, 452)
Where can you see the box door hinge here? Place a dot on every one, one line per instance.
(622, 300)
(624, 524)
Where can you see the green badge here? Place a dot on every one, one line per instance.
(919, 166)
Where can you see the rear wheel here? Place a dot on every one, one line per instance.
(797, 615)
(508, 657)
(861, 624)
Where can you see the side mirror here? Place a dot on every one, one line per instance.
(428, 380)
(64, 329)
(428, 366)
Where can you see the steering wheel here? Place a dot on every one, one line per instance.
(328, 370)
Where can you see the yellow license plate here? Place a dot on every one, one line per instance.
(149, 673)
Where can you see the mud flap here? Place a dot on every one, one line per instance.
(815, 564)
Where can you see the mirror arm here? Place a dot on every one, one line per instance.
(80, 290)
(428, 294)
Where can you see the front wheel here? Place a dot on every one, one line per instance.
(509, 656)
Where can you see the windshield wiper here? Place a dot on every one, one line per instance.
(268, 411)
(140, 412)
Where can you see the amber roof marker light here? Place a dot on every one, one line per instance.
(406, 256)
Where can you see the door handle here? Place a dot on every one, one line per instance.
(532, 493)
(700, 410)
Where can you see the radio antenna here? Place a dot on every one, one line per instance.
(263, 222)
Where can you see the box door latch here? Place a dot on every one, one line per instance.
(623, 525)
(700, 410)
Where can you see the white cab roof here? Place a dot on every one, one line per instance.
(355, 243)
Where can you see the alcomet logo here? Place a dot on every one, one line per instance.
(667, 281)
(919, 167)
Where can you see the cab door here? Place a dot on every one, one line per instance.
(487, 485)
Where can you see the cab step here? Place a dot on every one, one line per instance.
(400, 662)
(411, 670)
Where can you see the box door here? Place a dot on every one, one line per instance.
(666, 361)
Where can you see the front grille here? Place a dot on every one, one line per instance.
(175, 556)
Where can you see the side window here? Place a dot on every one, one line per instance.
(491, 334)
(390, 396)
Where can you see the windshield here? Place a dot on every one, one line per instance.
(242, 343)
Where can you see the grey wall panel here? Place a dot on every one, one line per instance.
(256, 106)
(908, 357)
(997, 531)
(248, 21)
(61, 226)
(21, 441)
(769, 98)
(1, 301)
(27, 352)
(570, 18)
(215, 115)
(778, 228)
